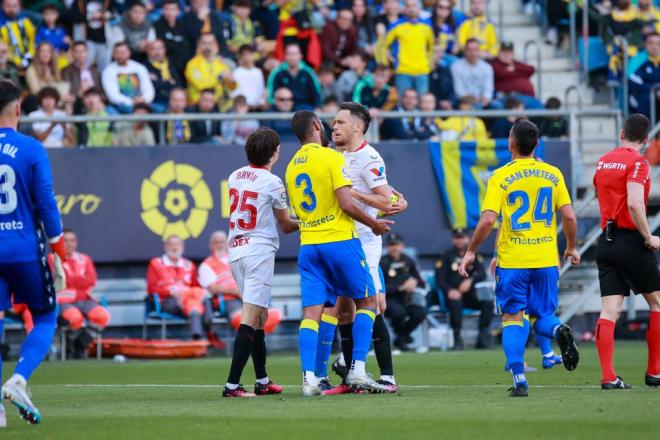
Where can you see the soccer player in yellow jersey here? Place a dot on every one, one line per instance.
(331, 260)
(527, 192)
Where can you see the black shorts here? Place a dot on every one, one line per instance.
(626, 263)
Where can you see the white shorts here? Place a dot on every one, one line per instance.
(254, 277)
(373, 250)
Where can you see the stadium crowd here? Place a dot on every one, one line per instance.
(99, 57)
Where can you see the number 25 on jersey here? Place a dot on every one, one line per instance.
(242, 202)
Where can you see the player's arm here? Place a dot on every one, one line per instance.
(380, 198)
(343, 194)
(44, 201)
(286, 223)
(637, 209)
(570, 232)
(484, 228)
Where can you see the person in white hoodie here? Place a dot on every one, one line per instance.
(125, 81)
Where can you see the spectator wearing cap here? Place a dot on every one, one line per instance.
(164, 75)
(406, 127)
(205, 131)
(645, 77)
(283, 104)
(414, 50)
(374, 92)
(51, 134)
(340, 39)
(404, 286)
(473, 76)
(135, 134)
(298, 77)
(18, 33)
(512, 77)
(169, 28)
(135, 30)
(126, 82)
(460, 293)
(207, 70)
(479, 28)
(249, 79)
(80, 76)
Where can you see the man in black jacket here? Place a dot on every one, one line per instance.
(460, 292)
(200, 20)
(164, 75)
(206, 131)
(403, 282)
(170, 29)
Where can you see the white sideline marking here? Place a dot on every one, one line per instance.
(153, 385)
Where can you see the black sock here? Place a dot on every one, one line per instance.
(242, 349)
(381, 338)
(259, 354)
(346, 333)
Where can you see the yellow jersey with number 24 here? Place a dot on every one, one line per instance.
(312, 177)
(527, 193)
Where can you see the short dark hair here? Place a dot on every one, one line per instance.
(79, 43)
(240, 100)
(381, 68)
(68, 231)
(9, 92)
(261, 145)
(92, 91)
(245, 48)
(512, 102)
(142, 106)
(359, 111)
(242, 3)
(301, 123)
(364, 56)
(526, 135)
(652, 34)
(170, 2)
(636, 128)
(553, 103)
(208, 90)
(119, 44)
(330, 99)
(471, 40)
(48, 92)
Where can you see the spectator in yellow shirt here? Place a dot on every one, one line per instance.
(480, 28)
(463, 128)
(206, 70)
(414, 50)
(18, 33)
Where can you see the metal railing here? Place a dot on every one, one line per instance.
(539, 71)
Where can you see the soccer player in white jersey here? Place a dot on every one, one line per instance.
(258, 205)
(372, 192)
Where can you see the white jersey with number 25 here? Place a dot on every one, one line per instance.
(253, 193)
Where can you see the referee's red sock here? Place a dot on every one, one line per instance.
(653, 341)
(605, 345)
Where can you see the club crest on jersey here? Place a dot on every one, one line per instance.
(378, 172)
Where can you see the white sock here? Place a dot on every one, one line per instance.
(359, 367)
(263, 381)
(310, 378)
(549, 355)
(389, 379)
(18, 378)
(341, 361)
(232, 386)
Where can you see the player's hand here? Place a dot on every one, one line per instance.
(380, 227)
(58, 248)
(467, 260)
(572, 255)
(59, 281)
(653, 243)
(492, 267)
(400, 205)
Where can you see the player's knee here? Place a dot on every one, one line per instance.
(74, 317)
(99, 316)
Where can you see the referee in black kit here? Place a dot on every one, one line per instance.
(626, 249)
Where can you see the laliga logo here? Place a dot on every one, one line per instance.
(175, 201)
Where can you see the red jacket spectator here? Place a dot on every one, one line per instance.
(80, 278)
(511, 75)
(163, 274)
(339, 38)
(216, 270)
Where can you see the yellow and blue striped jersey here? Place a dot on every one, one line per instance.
(312, 177)
(527, 193)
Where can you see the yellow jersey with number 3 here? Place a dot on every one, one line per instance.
(527, 193)
(312, 177)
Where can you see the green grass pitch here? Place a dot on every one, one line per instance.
(444, 396)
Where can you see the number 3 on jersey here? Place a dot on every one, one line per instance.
(243, 206)
(543, 209)
(304, 181)
(8, 196)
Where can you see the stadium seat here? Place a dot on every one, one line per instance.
(152, 312)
